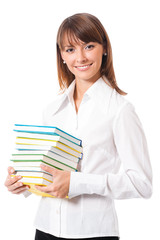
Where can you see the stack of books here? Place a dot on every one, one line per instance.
(36, 145)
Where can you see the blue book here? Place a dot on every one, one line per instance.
(46, 130)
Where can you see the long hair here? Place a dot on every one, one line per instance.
(86, 28)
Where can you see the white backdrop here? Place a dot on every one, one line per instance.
(28, 82)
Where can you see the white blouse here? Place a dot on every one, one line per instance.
(115, 163)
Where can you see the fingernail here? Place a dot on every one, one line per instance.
(12, 171)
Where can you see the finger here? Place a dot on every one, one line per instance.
(11, 170)
(20, 189)
(50, 190)
(12, 180)
(51, 170)
(46, 189)
(15, 186)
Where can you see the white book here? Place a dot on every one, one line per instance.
(43, 144)
(34, 174)
(36, 156)
(52, 149)
(28, 168)
(32, 180)
(51, 137)
(45, 160)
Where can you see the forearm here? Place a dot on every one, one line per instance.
(116, 186)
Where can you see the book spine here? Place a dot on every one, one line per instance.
(37, 128)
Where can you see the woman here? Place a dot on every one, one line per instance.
(115, 162)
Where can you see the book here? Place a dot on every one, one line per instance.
(56, 151)
(47, 130)
(35, 174)
(37, 192)
(32, 181)
(37, 163)
(28, 169)
(32, 189)
(48, 142)
(38, 155)
(50, 146)
(38, 145)
(48, 137)
(27, 180)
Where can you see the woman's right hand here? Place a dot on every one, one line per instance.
(12, 183)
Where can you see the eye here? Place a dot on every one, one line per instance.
(90, 46)
(70, 50)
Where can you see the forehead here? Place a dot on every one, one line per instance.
(69, 39)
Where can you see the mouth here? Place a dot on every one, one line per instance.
(84, 67)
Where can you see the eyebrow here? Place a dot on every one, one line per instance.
(66, 46)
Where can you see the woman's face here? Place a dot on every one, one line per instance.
(83, 59)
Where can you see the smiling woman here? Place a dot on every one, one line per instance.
(115, 162)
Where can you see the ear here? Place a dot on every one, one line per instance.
(104, 51)
(104, 48)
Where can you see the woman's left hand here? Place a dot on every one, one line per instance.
(61, 180)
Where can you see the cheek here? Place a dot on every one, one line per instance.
(70, 65)
(97, 57)
(71, 69)
(98, 60)
(69, 61)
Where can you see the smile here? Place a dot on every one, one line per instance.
(85, 67)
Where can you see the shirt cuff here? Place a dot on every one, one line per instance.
(83, 183)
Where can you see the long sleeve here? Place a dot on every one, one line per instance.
(135, 178)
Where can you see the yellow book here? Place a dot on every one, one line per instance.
(42, 142)
(32, 189)
(33, 181)
(49, 137)
(39, 193)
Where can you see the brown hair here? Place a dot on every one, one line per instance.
(86, 28)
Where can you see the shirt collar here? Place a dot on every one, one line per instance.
(99, 92)
(70, 91)
(92, 91)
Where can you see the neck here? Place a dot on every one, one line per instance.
(81, 87)
(80, 90)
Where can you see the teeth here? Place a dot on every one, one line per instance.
(83, 67)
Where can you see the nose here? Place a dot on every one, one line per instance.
(81, 57)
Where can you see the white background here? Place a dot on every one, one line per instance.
(28, 82)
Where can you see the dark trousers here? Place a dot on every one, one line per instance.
(45, 236)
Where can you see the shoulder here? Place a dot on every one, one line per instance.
(108, 100)
(125, 113)
(117, 103)
(111, 97)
